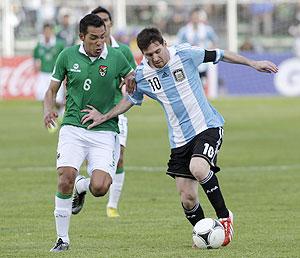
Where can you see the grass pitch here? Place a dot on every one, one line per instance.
(260, 178)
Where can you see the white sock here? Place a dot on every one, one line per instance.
(115, 190)
(62, 214)
(82, 185)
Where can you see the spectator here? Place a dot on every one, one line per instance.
(65, 29)
(262, 15)
(198, 33)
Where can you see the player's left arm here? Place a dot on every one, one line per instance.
(261, 66)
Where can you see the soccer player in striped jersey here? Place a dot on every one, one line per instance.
(92, 69)
(169, 75)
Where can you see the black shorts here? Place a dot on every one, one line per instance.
(206, 145)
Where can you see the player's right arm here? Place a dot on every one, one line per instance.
(58, 76)
(49, 102)
(98, 118)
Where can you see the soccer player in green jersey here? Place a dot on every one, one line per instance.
(118, 182)
(45, 54)
(91, 69)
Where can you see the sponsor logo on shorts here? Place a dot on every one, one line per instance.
(57, 155)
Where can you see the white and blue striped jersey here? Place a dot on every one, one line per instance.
(177, 87)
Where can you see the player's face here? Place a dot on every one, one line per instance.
(107, 21)
(157, 54)
(48, 33)
(93, 41)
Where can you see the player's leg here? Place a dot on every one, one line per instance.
(118, 181)
(116, 188)
(188, 190)
(63, 207)
(70, 155)
(103, 153)
(186, 184)
(202, 165)
(200, 168)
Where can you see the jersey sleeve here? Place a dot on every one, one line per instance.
(197, 55)
(59, 70)
(124, 67)
(129, 56)
(200, 55)
(36, 52)
(136, 98)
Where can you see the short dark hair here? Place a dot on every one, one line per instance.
(101, 9)
(48, 25)
(90, 20)
(148, 36)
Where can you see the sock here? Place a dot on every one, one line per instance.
(62, 214)
(212, 189)
(82, 185)
(116, 189)
(195, 214)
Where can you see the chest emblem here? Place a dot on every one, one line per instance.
(102, 70)
(179, 75)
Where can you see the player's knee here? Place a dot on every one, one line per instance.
(99, 190)
(66, 184)
(66, 179)
(100, 183)
(199, 167)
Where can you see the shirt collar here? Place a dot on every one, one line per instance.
(114, 43)
(103, 54)
(51, 42)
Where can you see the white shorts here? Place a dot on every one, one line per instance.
(101, 149)
(42, 86)
(123, 127)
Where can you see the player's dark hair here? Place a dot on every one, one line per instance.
(90, 20)
(148, 36)
(101, 9)
(48, 25)
(195, 10)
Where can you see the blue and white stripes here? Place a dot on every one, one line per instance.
(177, 87)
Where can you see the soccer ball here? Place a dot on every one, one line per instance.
(208, 233)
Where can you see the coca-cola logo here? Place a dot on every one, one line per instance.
(17, 78)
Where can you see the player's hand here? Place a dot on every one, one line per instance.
(50, 119)
(265, 66)
(130, 83)
(94, 115)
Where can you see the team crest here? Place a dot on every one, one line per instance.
(179, 75)
(102, 70)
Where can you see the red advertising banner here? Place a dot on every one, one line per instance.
(17, 78)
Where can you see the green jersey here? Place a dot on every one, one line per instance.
(125, 50)
(48, 53)
(90, 83)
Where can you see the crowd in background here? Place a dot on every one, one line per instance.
(259, 24)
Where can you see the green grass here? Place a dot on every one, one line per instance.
(260, 178)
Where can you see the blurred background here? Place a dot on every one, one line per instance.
(257, 29)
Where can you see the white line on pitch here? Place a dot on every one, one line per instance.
(163, 169)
